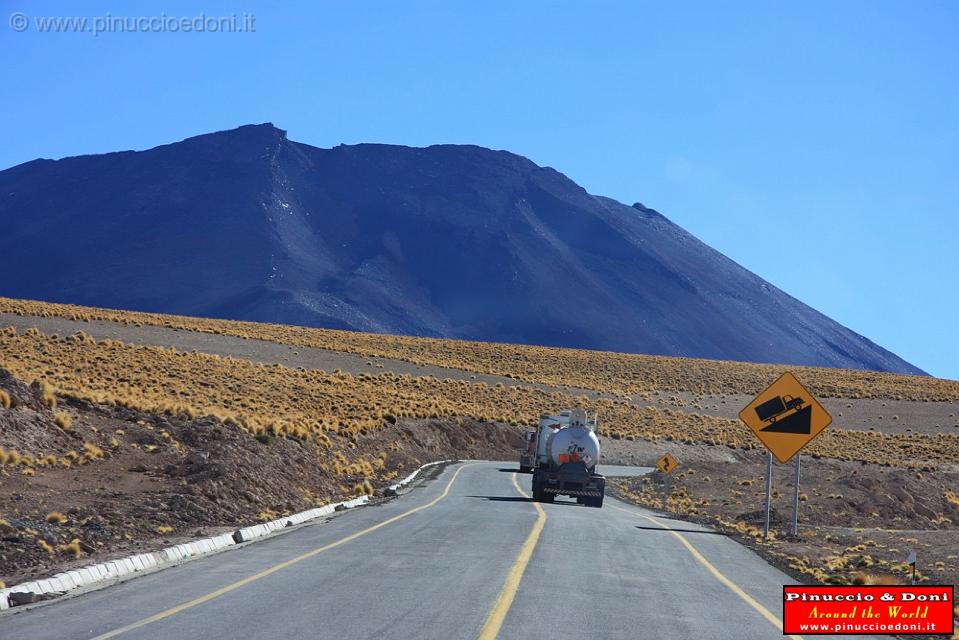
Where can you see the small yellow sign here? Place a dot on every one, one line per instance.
(667, 463)
(785, 417)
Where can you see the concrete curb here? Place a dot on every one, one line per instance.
(97, 574)
(392, 489)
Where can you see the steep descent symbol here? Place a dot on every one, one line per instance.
(772, 411)
(798, 422)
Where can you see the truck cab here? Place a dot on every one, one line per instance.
(527, 457)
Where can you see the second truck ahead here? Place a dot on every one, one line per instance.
(563, 452)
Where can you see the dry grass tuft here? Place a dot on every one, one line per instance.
(863, 578)
(48, 396)
(363, 488)
(267, 515)
(72, 548)
(5, 400)
(63, 420)
(92, 451)
(55, 517)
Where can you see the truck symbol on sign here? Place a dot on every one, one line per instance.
(770, 410)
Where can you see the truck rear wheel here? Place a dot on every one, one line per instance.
(597, 502)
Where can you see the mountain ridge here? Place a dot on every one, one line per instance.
(448, 241)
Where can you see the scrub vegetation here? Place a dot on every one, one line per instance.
(276, 401)
(614, 374)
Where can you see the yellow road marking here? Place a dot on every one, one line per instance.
(283, 565)
(735, 588)
(506, 595)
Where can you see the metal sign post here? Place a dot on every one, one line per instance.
(666, 494)
(795, 527)
(769, 491)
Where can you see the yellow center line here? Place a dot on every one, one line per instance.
(283, 565)
(494, 621)
(735, 588)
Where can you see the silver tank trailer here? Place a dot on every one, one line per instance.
(573, 444)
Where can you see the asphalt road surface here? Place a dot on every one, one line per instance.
(463, 555)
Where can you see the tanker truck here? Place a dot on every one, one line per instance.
(567, 451)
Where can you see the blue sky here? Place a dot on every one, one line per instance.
(815, 143)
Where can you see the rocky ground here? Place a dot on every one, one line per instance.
(114, 481)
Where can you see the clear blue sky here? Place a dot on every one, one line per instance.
(816, 143)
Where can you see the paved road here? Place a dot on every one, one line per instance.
(465, 555)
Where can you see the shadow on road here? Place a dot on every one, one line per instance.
(511, 470)
(713, 533)
(522, 499)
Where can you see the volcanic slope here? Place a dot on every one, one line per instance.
(446, 241)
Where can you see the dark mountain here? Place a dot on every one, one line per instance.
(450, 240)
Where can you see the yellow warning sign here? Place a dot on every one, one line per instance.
(667, 463)
(785, 417)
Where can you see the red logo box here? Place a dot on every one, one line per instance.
(874, 609)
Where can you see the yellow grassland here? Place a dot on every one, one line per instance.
(300, 403)
(611, 373)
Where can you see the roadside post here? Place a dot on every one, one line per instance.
(785, 417)
(912, 565)
(769, 492)
(795, 528)
(666, 464)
